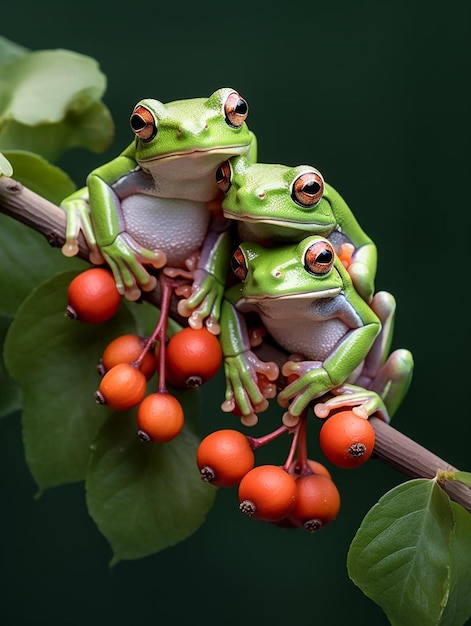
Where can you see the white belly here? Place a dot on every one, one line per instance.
(178, 227)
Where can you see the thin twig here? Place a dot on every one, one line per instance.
(392, 447)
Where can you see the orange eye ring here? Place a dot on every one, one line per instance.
(143, 123)
(223, 176)
(319, 258)
(308, 188)
(236, 110)
(239, 265)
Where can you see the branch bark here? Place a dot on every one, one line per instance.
(392, 447)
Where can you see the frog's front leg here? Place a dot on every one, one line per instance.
(249, 380)
(78, 219)
(209, 279)
(125, 256)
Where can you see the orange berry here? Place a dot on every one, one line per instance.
(92, 296)
(267, 493)
(159, 417)
(346, 439)
(317, 502)
(193, 356)
(122, 387)
(127, 349)
(224, 457)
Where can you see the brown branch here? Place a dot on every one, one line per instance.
(392, 447)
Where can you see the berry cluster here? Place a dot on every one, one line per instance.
(188, 359)
(300, 493)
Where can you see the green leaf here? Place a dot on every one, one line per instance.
(5, 166)
(458, 607)
(26, 260)
(54, 360)
(10, 395)
(40, 176)
(400, 556)
(10, 50)
(50, 101)
(145, 497)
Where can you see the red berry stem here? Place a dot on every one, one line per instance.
(167, 286)
(302, 465)
(258, 442)
(299, 443)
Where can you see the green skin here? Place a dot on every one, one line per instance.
(260, 198)
(157, 201)
(340, 342)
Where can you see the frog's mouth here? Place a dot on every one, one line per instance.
(198, 153)
(309, 295)
(311, 226)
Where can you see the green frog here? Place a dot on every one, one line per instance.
(275, 203)
(337, 342)
(158, 204)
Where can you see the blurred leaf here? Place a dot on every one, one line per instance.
(10, 50)
(26, 260)
(54, 360)
(10, 394)
(400, 556)
(40, 176)
(145, 497)
(5, 166)
(51, 101)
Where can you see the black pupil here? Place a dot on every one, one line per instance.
(312, 188)
(235, 264)
(324, 257)
(137, 122)
(241, 107)
(220, 176)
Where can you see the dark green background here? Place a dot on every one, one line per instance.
(374, 94)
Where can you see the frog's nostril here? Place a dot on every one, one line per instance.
(262, 195)
(276, 274)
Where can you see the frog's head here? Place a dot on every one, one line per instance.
(198, 127)
(309, 269)
(291, 198)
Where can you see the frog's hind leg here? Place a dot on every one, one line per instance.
(389, 376)
(393, 379)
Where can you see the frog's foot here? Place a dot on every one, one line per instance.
(78, 221)
(307, 380)
(363, 402)
(204, 304)
(127, 261)
(249, 385)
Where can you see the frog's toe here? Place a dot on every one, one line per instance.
(150, 285)
(132, 293)
(70, 249)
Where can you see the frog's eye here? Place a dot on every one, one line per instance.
(143, 123)
(236, 110)
(319, 258)
(223, 176)
(308, 189)
(239, 264)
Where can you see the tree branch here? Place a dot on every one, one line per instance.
(392, 447)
